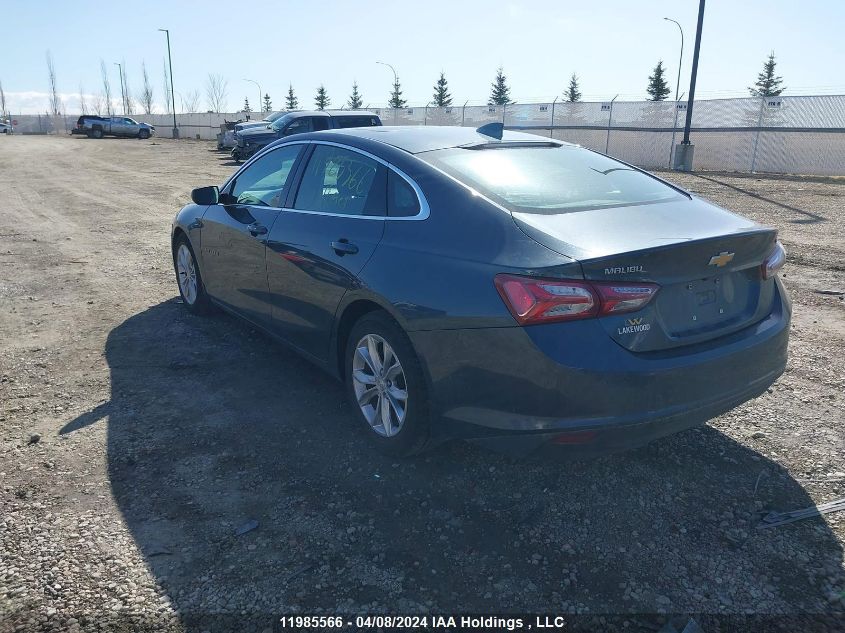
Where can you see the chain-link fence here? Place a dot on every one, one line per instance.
(802, 135)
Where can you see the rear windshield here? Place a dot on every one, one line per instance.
(550, 179)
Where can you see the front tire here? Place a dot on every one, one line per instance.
(144, 134)
(96, 133)
(386, 386)
(189, 279)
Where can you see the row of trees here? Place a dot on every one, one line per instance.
(441, 97)
(217, 90)
(768, 83)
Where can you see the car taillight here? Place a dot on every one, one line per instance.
(620, 298)
(774, 262)
(533, 300)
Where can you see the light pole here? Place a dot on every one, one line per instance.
(680, 61)
(172, 91)
(684, 153)
(122, 92)
(260, 109)
(395, 85)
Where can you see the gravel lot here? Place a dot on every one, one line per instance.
(136, 440)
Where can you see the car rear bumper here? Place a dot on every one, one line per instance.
(527, 387)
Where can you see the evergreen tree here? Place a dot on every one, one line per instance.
(356, 101)
(658, 89)
(573, 93)
(268, 104)
(396, 100)
(247, 109)
(442, 98)
(500, 93)
(291, 102)
(768, 84)
(321, 100)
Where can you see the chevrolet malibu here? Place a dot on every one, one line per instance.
(495, 286)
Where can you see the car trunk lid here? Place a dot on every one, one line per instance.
(705, 260)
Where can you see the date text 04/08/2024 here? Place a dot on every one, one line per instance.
(421, 622)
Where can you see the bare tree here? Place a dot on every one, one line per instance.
(191, 101)
(98, 106)
(106, 87)
(55, 99)
(147, 92)
(169, 106)
(216, 89)
(2, 102)
(130, 102)
(83, 105)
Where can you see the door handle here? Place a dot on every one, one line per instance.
(257, 229)
(344, 247)
(196, 224)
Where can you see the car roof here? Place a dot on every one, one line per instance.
(425, 138)
(329, 113)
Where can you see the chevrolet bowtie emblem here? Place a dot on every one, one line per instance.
(721, 259)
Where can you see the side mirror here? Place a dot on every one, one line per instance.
(205, 195)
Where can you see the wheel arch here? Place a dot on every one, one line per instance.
(178, 233)
(349, 313)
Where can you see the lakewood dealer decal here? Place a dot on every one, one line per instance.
(634, 326)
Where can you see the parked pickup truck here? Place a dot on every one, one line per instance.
(100, 126)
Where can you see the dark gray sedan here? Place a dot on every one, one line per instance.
(500, 287)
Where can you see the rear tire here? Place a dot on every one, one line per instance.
(386, 386)
(189, 279)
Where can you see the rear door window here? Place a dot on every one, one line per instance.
(320, 123)
(341, 181)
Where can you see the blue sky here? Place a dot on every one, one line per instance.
(611, 44)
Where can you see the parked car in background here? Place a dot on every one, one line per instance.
(251, 140)
(100, 126)
(5, 128)
(265, 122)
(226, 139)
(497, 286)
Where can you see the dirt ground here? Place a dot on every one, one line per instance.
(138, 441)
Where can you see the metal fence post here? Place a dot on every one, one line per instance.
(757, 136)
(609, 119)
(674, 128)
(463, 112)
(552, 122)
(504, 109)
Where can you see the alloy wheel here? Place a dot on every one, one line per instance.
(187, 273)
(380, 386)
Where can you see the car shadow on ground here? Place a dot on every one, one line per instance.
(809, 216)
(250, 491)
